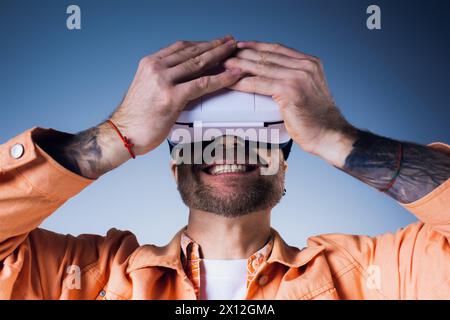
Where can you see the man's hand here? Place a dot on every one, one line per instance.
(403, 170)
(296, 81)
(164, 83)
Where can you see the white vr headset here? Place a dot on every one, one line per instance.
(250, 116)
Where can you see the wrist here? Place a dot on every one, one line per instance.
(89, 153)
(336, 144)
(113, 151)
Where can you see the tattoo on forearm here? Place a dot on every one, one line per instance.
(79, 153)
(374, 160)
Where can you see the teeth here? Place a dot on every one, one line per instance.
(226, 168)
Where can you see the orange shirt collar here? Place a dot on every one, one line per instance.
(170, 255)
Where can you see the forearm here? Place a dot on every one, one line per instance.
(405, 174)
(89, 153)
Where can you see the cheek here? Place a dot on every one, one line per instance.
(275, 161)
(277, 179)
(187, 174)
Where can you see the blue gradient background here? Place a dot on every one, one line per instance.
(393, 82)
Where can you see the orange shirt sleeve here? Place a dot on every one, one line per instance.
(35, 261)
(434, 208)
(411, 263)
(32, 186)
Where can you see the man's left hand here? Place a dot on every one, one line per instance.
(296, 81)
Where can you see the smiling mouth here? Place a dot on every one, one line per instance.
(219, 169)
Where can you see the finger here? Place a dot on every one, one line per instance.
(273, 47)
(263, 57)
(191, 51)
(196, 88)
(268, 70)
(268, 57)
(202, 62)
(258, 84)
(174, 47)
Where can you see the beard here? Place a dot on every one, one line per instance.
(241, 196)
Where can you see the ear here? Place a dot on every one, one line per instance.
(285, 165)
(174, 170)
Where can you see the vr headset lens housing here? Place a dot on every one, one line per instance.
(202, 145)
(253, 118)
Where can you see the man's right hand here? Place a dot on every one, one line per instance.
(164, 83)
(163, 86)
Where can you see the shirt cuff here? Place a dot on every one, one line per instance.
(434, 208)
(22, 155)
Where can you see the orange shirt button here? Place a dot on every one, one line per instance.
(17, 151)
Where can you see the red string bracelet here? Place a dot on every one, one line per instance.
(126, 142)
(397, 172)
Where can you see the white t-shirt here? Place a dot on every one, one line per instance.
(223, 279)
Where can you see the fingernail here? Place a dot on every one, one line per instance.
(231, 43)
(241, 44)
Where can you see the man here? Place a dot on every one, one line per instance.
(229, 206)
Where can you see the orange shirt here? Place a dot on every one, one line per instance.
(412, 263)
